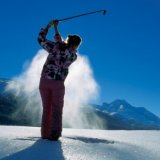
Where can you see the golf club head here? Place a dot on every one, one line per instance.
(104, 12)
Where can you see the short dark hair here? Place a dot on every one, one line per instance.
(74, 40)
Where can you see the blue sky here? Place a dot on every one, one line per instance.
(123, 46)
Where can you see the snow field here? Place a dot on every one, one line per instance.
(24, 143)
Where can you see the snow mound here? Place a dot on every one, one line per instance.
(24, 143)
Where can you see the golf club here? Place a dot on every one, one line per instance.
(84, 14)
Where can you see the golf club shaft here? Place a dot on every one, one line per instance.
(104, 11)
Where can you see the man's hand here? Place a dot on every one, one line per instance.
(55, 23)
(52, 23)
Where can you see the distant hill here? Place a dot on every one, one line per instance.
(118, 114)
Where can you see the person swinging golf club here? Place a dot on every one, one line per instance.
(55, 70)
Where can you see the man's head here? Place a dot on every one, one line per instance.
(73, 41)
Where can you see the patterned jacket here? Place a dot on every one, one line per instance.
(59, 59)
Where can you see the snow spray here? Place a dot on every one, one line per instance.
(80, 89)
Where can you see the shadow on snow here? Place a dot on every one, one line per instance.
(90, 140)
(40, 150)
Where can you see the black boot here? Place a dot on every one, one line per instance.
(54, 136)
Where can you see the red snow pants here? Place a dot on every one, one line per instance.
(52, 95)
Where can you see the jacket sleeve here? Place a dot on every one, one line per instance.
(57, 38)
(46, 44)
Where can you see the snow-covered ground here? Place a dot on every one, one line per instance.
(24, 143)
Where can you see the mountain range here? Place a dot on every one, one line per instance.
(127, 116)
(116, 115)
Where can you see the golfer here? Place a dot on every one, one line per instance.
(61, 55)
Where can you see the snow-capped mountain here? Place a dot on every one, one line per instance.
(118, 114)
(122, 110)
